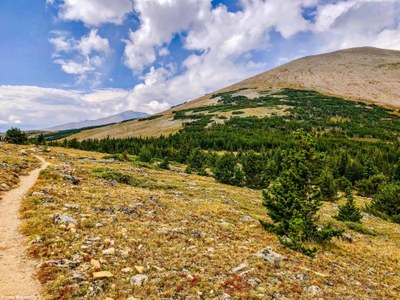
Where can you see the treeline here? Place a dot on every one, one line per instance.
(357, 146)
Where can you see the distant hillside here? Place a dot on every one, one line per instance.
(364, 74)
(126, 115)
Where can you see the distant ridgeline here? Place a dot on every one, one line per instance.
(355, 141)
(61, 134)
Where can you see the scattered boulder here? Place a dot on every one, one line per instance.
(225, 296)
(140, 269)
(240, 267)
(313, 290)
(5, 187)
(102, 275)
(270, 256)
(139, 280)
(127, 270)
(63, 219)
(127, 211)
(347, 237)
(109, 251)
(72, 206)
(74, 180)
(254, 282)
(246, 218)
(96, 264)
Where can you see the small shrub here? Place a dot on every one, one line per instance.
(349, 211)
(387, 202)
(164, 164)
(369, 187)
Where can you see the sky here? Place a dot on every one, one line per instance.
(71, 60)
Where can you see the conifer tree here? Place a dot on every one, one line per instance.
(349, 211)
(328, 186)
(292, 200)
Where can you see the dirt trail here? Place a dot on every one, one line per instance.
(16, 270)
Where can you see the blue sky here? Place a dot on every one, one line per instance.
(70, 60)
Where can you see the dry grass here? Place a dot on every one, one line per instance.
(187, 232)
(14, 162)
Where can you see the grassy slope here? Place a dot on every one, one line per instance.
(14, 162)
(188, 233)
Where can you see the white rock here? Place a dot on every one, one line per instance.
(139, 279)
(270, 256)
(240, 267)
(109, 251)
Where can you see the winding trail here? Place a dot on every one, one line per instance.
(16, 270)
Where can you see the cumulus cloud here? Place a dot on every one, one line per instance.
(221, 43)
(32, 107)
(355, 23)
(94, 12)
(81, 57)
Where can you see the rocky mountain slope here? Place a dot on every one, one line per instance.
(367, 74)
(107, 229)
(126, 115)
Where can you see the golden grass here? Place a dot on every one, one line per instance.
(187, 239)
(14, 162)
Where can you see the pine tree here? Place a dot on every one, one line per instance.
(328, 186)
(349, 211)
(16, 136)
(165, 163)
(292, 200)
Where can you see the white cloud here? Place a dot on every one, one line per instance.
(81, 57)
(32, 107)
(223, 42)
(359, 23)
(95, 12)
(159, 21)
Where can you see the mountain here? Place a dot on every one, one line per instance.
(126, 115)
(363, 74)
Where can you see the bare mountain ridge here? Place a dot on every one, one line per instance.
(364, 74)
(126, 115)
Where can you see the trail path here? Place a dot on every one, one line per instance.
(16, 270)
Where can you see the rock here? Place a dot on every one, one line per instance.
(347, 237)
(225, 297)
(5, 187)
(71, 225)
(37, 240)
(132, 298)
(140, 269)
(270, 256)
(107, 242)
(38, 194)
(102, 275)
(96, 264)
(301, 277)
(72, 206)
(74, 180)
(313, 290)
(128, 211)
(240, 267)
(254, 282)
(109, 251)
(246, 218)
(73, 230)
(78, 276)
(63, 219)
(139, 279)
(127, 270)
